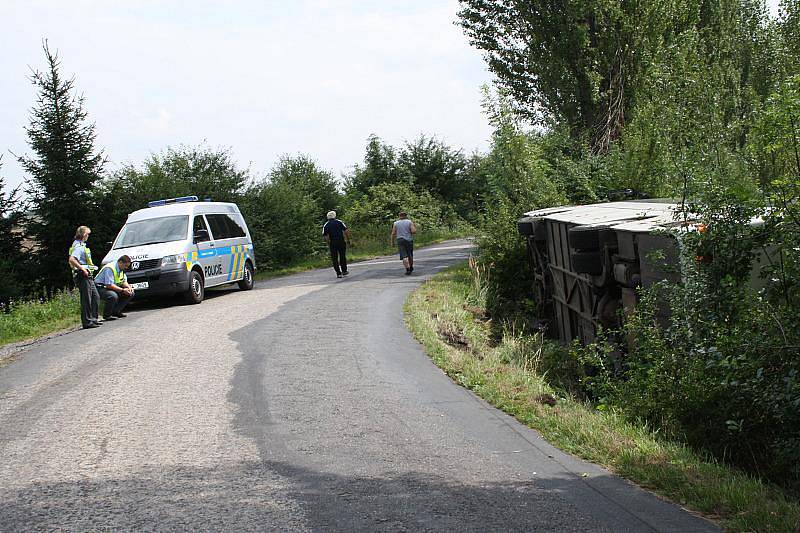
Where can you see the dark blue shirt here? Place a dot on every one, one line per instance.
(334, 228)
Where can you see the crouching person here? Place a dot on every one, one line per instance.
(114, 288)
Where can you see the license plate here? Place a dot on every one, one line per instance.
(142, 285)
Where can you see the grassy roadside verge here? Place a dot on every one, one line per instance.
(445, 315)
(34, 319)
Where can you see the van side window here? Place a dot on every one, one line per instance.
(236, 226)
(219, 226)
(198, 224)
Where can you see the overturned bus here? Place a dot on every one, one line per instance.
(588, 261)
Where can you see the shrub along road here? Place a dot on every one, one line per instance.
(303, 404)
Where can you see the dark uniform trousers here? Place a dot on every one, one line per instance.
(89, 298)
(339, 255)
(114, 302)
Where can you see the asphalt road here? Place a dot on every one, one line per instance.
(301, 405)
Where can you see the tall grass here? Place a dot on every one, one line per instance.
(29, 319)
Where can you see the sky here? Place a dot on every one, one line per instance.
(262, 78)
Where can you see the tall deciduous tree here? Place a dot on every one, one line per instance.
(573, 61)
(302, 174)
(62, 170)
(586, 63)
(380, 166)
(433, 166)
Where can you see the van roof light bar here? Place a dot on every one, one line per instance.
(180, 200)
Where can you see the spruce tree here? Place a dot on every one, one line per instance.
(12, 259)
(61, 172)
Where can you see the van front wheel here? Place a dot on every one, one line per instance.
(196, 290)
(247, 281)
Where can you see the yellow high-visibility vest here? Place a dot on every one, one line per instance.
(89, 261)
(119, 275)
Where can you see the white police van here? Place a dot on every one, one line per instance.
(182, 245)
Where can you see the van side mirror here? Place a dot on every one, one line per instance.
(201, 235)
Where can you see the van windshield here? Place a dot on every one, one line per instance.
(153, 231)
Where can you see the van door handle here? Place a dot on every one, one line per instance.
(211, 245)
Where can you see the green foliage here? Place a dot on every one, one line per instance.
(302, 174)
(694, 111)
(183, 171)
(597, 67)
(694, 100)
(789, 34)
(722, 370)
(380, 166)
(62, 171)
(382, 203)
(426, 165)
(282, 222)
(578, 63)
(430, 165)
(33, 318)
(776, 151)
(581, 176)
(13, 262)
(517, 179)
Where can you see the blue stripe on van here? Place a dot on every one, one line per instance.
(238, 253)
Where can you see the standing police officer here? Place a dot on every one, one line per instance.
(114, 288)
(80, 260)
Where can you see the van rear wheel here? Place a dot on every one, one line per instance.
(247, 281)
(196, 290)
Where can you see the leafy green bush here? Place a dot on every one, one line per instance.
(383, 202)
(425, 164)
(282, 222)
(776, 153)
(302, 174)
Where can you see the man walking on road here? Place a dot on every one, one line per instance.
(338, 237)
(80, 260)
(114, 289)
(404, 230)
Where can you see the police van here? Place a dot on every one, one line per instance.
(183, 246)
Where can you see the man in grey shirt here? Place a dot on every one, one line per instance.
(403, 231)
